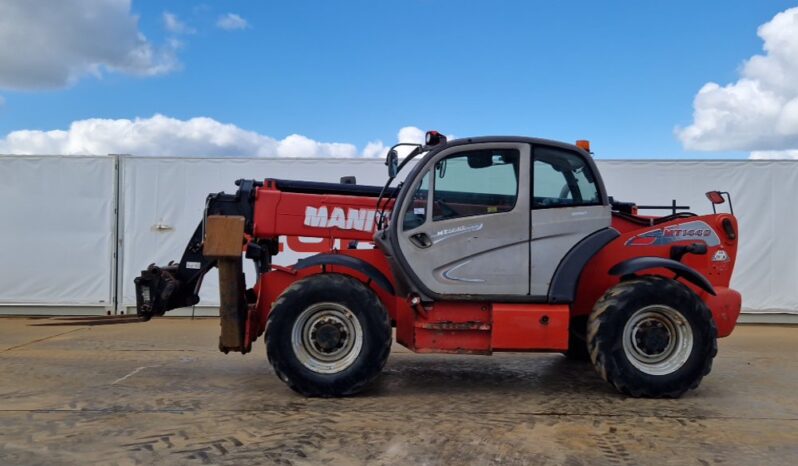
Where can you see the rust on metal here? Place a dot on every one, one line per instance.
(233, 309)
(449, 325)
(224, 238)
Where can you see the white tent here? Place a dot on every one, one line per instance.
(64, 248)
(57, 234)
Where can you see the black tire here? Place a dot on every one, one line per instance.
(577, 340)
(324, 291)
(628, 303)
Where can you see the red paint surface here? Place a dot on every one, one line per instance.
(471, 327)
(519, 327)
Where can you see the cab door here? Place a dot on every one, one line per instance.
(465, 230)
(568, 204)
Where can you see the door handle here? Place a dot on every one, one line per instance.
(421, 240)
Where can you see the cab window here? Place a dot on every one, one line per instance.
(561, 178)
(475, 183)
(416, 212)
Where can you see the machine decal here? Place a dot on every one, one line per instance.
(448, 274)
(337, 217)
(447, 233)
(720, 256)
(696, 230)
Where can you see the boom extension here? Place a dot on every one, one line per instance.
(162, 288)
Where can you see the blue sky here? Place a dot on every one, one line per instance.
(622, 74)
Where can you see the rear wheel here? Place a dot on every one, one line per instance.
(652, 337)
(328, 335)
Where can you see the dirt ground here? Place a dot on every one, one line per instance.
(160, 392)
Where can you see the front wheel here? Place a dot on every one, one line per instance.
(328, 335)
(652, 337)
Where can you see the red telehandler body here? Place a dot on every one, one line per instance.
(489, 244)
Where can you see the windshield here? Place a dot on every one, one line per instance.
(409, 154)
(403, 160)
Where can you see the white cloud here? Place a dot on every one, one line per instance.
(231, 21)
(53, 43)
(174, 25)
(759, 112)
(416, 135)
(375, 149)
(411, 134)
(775, 154)
(296, 145)
(165, 136)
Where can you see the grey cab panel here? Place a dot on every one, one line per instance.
(465, 229)
(568, 204)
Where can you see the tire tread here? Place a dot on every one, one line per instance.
(617, 299)
(343, 284)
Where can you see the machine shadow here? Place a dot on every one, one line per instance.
(89, 321)
(520, 374)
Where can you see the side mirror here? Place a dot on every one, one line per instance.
(715, 197)
(392, 161)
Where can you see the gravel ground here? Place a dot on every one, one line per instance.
(160, 392)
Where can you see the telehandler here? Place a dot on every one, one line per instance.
(489, 244)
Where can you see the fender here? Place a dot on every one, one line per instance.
(348, 262)
(630, 266)
(566, 277)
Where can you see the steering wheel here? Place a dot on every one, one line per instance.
(412, 220)
(447, 210)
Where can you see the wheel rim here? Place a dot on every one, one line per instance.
(657, 340)
(327, 338)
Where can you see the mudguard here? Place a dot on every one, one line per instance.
(637, 264)
(566, 277)
(349, 262)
